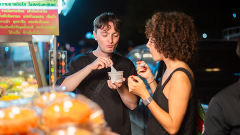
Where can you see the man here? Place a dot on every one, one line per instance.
(223, 114)
(86, 70)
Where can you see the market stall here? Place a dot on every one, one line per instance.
(21, 68)
(23, 24)
(27, 106)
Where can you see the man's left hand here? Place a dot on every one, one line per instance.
(115, 85)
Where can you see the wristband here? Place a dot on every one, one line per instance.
(147, 101)
(151, 81)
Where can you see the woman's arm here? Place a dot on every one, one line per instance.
(146, 73)
(152, 83)
(178, 98)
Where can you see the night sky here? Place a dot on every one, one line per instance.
(211, 17)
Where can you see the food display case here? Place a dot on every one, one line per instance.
(21, 69)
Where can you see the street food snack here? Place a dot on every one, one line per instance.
(64, 112)
(17, 120)
(49, 94)
(71, 130)
(97, 117)
(43, 99)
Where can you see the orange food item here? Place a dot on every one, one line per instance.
(76, 131)
(42, 100)
(71, 111)
(17, 120)
(97, 118)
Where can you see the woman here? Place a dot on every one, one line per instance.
(172, 39)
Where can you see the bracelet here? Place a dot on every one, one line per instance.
(151, 81)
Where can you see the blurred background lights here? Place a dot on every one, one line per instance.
(20, 72)
(234, 15)
(137, 55)
(6, 49)
(130, 48)
(2, 114)
(212, 69)
(237, 74)
(216, 69)
(56, 108)
(204, 35)
(72, 49)
(89, 35)
(130, 42)
(30, 76)
(15, 110)
(67, 46)
(147, 55)
(92, 36)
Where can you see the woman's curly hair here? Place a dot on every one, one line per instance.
(174, 35)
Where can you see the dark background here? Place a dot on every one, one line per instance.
(211, 17)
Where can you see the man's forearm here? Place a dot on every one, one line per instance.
(71, 82)
(129, 99)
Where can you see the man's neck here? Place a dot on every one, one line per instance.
(98, 53)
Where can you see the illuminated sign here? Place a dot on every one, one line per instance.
(29, 17)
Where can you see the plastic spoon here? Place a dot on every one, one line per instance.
(113, 69)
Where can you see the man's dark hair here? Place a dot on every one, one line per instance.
(102, 20)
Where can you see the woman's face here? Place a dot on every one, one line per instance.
(155, 54)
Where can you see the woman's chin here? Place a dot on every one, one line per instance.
(155, 59)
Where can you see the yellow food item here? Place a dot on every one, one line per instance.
(5, 86)
(46, 97)
(71, 111)
(9, 97)
(76, 131)
(17, 120)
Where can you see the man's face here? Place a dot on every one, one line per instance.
(107, 38)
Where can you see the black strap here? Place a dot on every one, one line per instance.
(98, 89)
(102, 82)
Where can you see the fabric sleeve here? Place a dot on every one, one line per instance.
(215, 123)
(73, 67)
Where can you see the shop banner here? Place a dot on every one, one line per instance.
(29, 17)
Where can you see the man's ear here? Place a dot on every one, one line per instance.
(95, 35)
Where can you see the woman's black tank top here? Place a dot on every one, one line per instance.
(188, 126)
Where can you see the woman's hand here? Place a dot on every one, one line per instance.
(101, 62)
(115, 85)
(144, 71)
(136, 86)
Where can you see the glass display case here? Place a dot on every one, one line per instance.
(21, 70)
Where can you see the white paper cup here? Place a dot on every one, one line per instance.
(116, 76)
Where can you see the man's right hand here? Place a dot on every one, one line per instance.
(100, 63)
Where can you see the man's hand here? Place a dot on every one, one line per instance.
(115, 85)
(100, 63)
